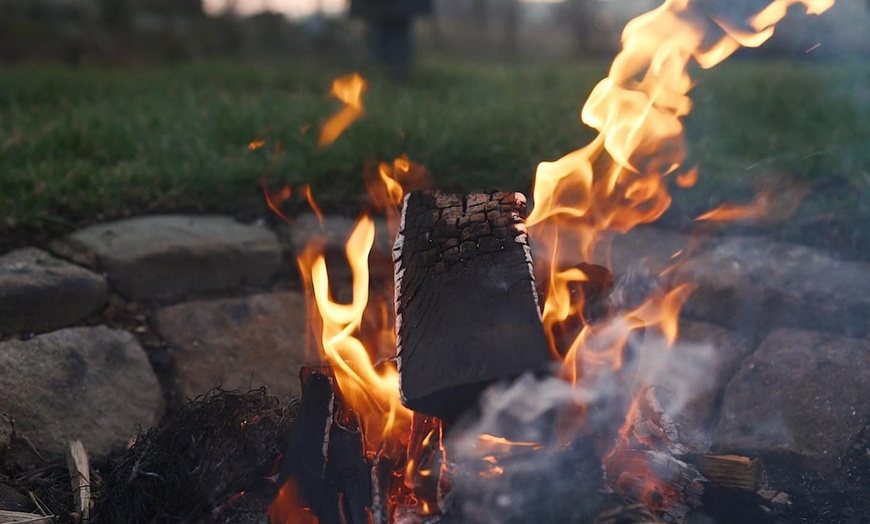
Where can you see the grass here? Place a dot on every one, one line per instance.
(80, 145)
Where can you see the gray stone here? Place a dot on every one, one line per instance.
(333, 236)
(173, 256)
(644, 249)
(713, 354)
(39, 292)
(239, 343)
(90, 383)
(802, 393)
(334, 233)
(753, 285)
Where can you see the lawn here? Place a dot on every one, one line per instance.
(80, 145)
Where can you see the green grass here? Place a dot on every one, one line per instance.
(79, 145)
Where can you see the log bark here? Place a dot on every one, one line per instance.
(467, 312)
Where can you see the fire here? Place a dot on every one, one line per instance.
(372, 393)
(349, 90)
(733, 213)
(618, 181)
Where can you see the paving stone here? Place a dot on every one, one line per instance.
(803, 394)
(238, 343)
(753, 284)
(89, 383)
(39, 292)
(171, 257)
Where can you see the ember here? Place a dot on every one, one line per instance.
(468, 318)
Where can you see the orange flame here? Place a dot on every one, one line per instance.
(349, 90)
(372, 393)
(256, 144)
(734, 213)
(617, 181)
(274, 200)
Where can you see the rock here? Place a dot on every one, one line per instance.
(753, 285)
(90, 383)
(12, 500)
(173, 256)
(802, 394)
(707, 356)
(644, 249)
(39, 292)
(238, 343)
(334, 233)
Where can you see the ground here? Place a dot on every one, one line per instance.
(80, 145)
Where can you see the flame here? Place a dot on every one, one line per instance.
(734, 213)
(313, 205)
(288, 507)
(256, 144)
(372, 393)
(274, 200)
(613, 184)
(618, 181)
(349, 90)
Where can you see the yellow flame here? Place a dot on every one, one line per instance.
(349, 90)
(618, 181)
(374, 394)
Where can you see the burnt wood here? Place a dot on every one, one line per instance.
(467, 313)
(306, 455)
(325, 457)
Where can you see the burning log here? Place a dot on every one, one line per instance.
(467, 313)
(325, 465)
(660, 481)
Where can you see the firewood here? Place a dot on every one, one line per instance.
(729, 471)
(306, 455)
(17, 517)
(467, 313)
(80, 478)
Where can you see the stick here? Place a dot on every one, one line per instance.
(728, 471)
(80, 478)
(17, 517)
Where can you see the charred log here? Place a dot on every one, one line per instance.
(466, 307)
(325, 460)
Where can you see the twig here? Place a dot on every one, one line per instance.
(17, 517)
(80, 478)
(38, 503)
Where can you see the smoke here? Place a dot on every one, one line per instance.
(533, 450)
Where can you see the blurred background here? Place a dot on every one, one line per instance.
(111, 108)
(136, 31)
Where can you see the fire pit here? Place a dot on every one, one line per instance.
(525, 382)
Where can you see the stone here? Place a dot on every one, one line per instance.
(711, 353)
(333, 235)
(39, 293)
(801, 394)
(171, 257)
(753, 284)
(237, 343)
(89, 383)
